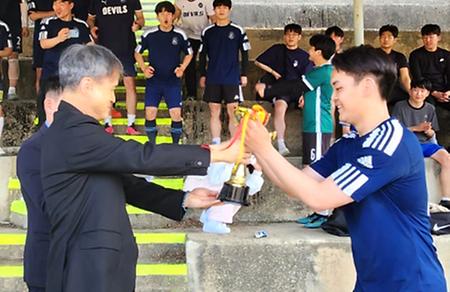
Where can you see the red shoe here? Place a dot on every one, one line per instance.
(115, 113)
(109, 129)
(131, 130)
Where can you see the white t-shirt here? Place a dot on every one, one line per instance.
(194, 16)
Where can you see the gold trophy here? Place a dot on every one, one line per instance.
(235, 190)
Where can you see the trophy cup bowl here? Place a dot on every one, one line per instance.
(235, 190)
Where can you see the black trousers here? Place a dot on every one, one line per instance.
(191, 70)
(35, 289)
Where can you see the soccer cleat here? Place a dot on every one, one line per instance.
(308, 219)
(445, 203)
(317, 222)
(115, 113)
(109, 129)
(131, 130)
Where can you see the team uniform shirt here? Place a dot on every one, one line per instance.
(383, 172)
(194, 16)
(164, 50)
(317, 114)
(10, 14)
(222, 45)
(434, 66)
(398, 93)
(5, 36)
(411, 116)
(41, 6)
(114, 19)
(79, 34)
(290, 64)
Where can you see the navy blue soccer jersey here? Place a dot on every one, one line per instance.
(114, 19)
(164, 52)
(79, 34)
(5, 36)
(222, 45)
(383, 172)
(290, 64)
(40, 5)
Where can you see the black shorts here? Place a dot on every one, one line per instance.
(287, 99)
(38, 52)
(128, 61)
(314, 146)
(218, 93)
(17, 42)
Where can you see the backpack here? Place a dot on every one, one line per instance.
(440, 223)
(336, 223)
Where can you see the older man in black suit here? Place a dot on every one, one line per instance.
(92, 247)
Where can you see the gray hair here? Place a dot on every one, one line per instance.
(79, 61)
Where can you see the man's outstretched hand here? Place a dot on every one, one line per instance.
(201, 198)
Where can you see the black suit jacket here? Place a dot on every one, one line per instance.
(37, 241)
(92, 247)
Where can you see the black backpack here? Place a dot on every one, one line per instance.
(336, 223)
(440, 223)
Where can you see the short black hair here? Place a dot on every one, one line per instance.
(366, 60)
(324, 43)
(430, 28)
(226, 3)
(70, 1)
(336, 30)
(165, 6)
(52, 85)
(422, 83)
(389, 28)
(293, 27)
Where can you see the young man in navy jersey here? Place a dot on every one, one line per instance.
(433, 63)
(113, 24)
(38, 10)
(376, 173)
(164, 43)
(56, 34)
(221, 44)
(284, 62)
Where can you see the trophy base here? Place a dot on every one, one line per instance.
(234, 194)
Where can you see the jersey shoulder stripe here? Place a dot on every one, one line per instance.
(385, 138)
(4, 25)
(349, 179)
(149, 31)
(47, 20)
(238, 27)
(180, 31)
(207, 28)
(81, 21)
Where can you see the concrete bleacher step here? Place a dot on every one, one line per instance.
(144, 283)
(161, 262)
(155, 246)
(139, 218)
(291, 259)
